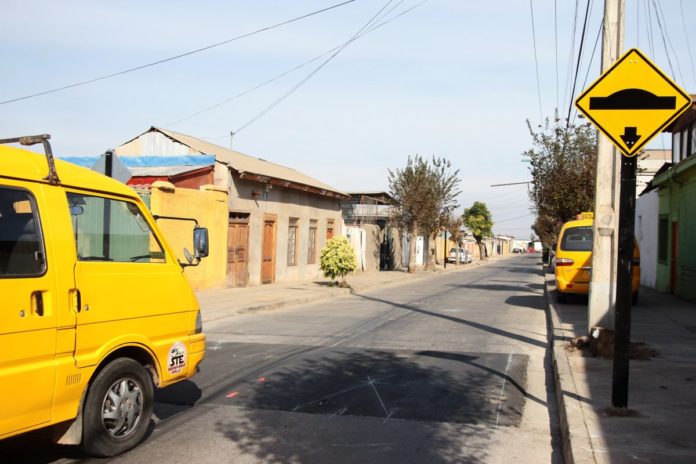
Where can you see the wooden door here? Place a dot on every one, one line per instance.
(673, 258)
(238, 252)
(268, 251)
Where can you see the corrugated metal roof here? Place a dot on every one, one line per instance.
(247, 164)
(162, 171)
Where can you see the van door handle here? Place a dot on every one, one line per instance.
(37, 303)
(76, 300)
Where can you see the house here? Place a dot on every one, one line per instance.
(278, 218)
(650, 163)
(676, 226)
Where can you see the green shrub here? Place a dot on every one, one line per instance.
(337, 258)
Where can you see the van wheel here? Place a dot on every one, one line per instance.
(634, 298)
(561, 297)
(118, 408)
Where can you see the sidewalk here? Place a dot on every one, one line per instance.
(660, 425)
(227, 302)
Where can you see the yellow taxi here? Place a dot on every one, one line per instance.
(573, 263)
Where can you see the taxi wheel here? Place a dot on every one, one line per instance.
(561, 297)
(117, 409)
(634, 298)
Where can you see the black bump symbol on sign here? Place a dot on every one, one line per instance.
(633, 99)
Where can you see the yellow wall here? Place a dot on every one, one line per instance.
(207, 205)
(439, 251)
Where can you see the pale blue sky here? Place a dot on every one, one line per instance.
(451, 78)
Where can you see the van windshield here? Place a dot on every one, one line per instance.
(577, 239)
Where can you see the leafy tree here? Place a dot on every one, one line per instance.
(425, 193)
(563, 165)
(479, 221)
(337, 259)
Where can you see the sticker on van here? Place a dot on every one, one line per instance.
(176, 359)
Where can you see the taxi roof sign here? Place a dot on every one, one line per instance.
(632, 102)
(587, 215)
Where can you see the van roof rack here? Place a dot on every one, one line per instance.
(29, 140)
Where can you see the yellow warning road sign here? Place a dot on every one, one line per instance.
(632, 102)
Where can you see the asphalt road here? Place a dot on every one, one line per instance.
(451, 368)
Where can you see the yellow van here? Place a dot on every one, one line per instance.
(95, 309)
(573, 263)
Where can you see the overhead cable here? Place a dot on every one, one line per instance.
(536, 64)
(290, 91)
(291, 70)
(172, 58)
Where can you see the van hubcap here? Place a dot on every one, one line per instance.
(121, 407)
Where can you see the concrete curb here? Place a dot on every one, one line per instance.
(571, 415)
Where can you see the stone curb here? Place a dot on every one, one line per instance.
(571, 414)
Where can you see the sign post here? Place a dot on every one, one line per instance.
(630, 103)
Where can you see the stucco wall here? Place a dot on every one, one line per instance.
(647, 207)
(209, 207)
(284, 204)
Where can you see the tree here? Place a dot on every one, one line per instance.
(453, 225)
(562, 163)
(337, 259)
(479, 221)
(424, 193)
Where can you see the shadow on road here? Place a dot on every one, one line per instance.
(468, 391)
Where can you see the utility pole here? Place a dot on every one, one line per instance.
(607, 188)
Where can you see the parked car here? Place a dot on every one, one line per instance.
(463, 255)
(573, 260)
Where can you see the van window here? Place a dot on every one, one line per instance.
(21, 242)
(577, 239)
(112, 230)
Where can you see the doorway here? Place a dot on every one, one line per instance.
(268, 249)
(238, 250)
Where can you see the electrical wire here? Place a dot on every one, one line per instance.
(589, 65)
(291, 70)
(555, 40)
(577, 67)
(664, 40)
(566, 87)
(172, 58)
(688, 44)
(536, 62)
(290, 91)
(671, 46)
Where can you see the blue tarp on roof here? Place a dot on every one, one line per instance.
(147, 161)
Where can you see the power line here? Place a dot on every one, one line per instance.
(555, 39)
(664, 41)
(589, 65)
(536, 63)
(688, 44)
(577, 67)
(291, 70)
(513, 218)
(172, 58)
(289, 92)
(566, 87)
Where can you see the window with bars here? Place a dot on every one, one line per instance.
(292, 242)
(312, 242)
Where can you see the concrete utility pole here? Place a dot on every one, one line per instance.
(608, 179)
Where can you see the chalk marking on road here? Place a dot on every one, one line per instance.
(216, 347)
(338, 413)
(502, 390)
(372, 384)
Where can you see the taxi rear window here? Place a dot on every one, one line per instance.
(577, 239)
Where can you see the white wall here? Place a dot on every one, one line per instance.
(647, 212)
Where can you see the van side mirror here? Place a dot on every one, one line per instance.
(200, 242)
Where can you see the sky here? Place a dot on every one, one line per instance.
(450, 78)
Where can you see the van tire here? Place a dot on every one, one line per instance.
(634, 298)
(123, 390)
(561, 297)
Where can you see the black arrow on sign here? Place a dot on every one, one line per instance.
(630, 136)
